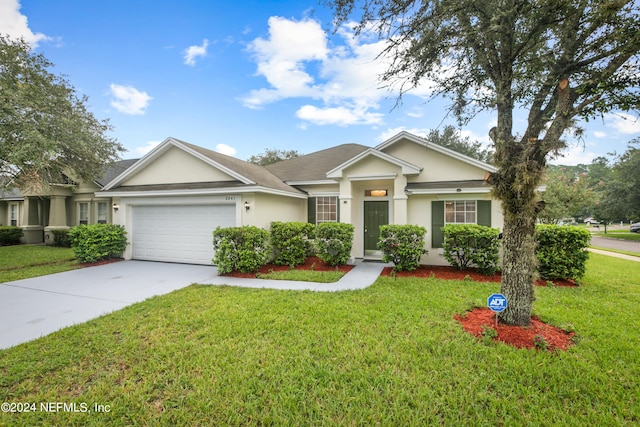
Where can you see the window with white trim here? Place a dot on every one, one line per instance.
(460, 212)
(83, 217)
(102, 212)
(13, 214)
(326, 209)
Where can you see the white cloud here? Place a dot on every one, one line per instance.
(192, 52)
(15, 25)
(574, 155)
(146, 148)
(297, 62)
(341, 116)
(599, 134)
(226, 149)
(129, 100)
(623, 122)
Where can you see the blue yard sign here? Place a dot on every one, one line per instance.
(497, 302)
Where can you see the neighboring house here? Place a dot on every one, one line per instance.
(58, 206)
(172, 199)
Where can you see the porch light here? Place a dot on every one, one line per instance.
(247, 206)
(378, 193)
(116, 207)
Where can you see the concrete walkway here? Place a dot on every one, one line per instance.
(615, 255)
(360, 277)
(32, 308)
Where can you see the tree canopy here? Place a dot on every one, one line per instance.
(451, 138)
(558, 60)
(46, 129)
(272, 155)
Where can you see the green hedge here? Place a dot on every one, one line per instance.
(244, 249)
(333, 242)
(10, 235)
(96, 242)
(562, 251)
(291, 242)
(403, 245)
(467, 245)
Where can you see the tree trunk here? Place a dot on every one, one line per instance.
(519, 268)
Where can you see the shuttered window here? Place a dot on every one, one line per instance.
(457, 212)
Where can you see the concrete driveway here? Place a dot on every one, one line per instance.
(35, 307)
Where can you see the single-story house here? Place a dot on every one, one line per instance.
(172, 199)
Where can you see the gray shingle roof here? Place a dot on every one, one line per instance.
(112, 170)
(314, 166)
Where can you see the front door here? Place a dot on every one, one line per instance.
(376, 213)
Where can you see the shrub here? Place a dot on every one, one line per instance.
(467, 245)
(333, 242)
(96, 242)
(562, 251)
(291, 241)
(10, 235)
(61, 238)
(244, 249)
(403, 245)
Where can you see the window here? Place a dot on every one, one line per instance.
(460, 212)
(326, 209)
(83, 218)
(102, 212)
(13, 214)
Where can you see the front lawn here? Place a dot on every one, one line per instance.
(391, 354)
(25, 261)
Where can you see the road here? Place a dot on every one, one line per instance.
(621, 245)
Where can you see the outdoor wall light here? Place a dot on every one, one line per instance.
(247, 206)
(116, 207)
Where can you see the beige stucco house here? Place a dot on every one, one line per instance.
(172, 199)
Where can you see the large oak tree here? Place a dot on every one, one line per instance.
(558, 60)
(46, 130)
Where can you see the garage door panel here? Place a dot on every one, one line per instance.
(178, 233)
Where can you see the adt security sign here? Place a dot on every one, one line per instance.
(497, 302)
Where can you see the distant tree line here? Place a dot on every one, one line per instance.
(608, 189)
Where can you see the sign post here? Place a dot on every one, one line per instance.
(497, 303)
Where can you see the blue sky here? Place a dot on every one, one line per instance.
(240, 77)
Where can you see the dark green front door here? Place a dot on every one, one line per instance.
(376, 213)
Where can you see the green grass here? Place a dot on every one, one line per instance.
(621, 234)
(304, 275)
(25, 261)
(391, 355)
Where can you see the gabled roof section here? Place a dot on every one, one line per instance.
(407, 168)
(314, 166)
(404, 135)
(242, 172)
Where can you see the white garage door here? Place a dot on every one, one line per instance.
(178, 233)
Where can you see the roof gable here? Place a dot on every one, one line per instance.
(158, 166)
(406, 167)
(387, 146)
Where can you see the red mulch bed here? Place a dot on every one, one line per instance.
(312, 263)
(449, 272)
(517, 336)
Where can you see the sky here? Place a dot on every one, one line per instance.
(240, 77)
